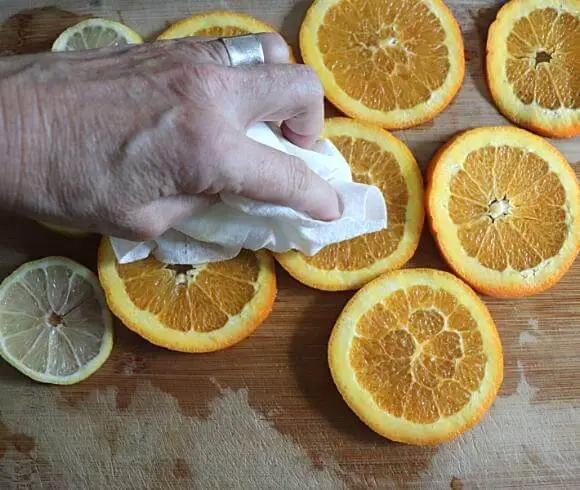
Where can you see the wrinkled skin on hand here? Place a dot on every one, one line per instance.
(124, 141)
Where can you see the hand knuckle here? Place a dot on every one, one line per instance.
(204, 82)
(147, 231)
(137, 225)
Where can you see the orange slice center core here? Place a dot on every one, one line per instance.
(419, 353)
(54, 320)
(542, 63)
(388, 55)
(543, 57)
(183, 272)
(498, 208)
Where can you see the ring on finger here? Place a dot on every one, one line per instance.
(243, 50)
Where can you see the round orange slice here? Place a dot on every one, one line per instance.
(377, 158)
(220, 23)
(416, 355)
(190, 309)
(533, 71)
(504, 207)
(397, 63)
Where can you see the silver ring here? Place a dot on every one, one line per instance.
(244, 50)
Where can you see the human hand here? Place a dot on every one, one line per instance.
(124, 141)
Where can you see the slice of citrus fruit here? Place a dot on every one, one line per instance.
(219, 23)
(416, 355)
(377, 158)
(186, 308)
(504, 207)
(397, 63)
(54, 323)
(533, 71)
(95, 33)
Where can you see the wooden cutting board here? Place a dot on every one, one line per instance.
(265, 414)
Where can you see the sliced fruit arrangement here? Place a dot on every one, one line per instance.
(220, 23)
(533, 68)
(54, 323)
(95, 33)
(190, 309)
(376, 158)
(416, 355)
(504, 207)
(397, 63)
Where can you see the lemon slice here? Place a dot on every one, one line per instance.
(54, 323)
(94, 34)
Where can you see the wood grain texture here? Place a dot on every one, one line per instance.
(265, 413)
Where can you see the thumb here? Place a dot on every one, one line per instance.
(272, 176)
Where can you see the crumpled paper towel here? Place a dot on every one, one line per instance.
(223, 228)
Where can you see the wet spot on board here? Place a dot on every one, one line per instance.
(527, 338)
(20, 442)
(83, 443)
(456, 483)
(181, 469)
(130, 363)
(35, 30)
(534, 438)
(134, 361)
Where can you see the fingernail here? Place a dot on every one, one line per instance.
(306, 142)
(331, 208)
(275, 48)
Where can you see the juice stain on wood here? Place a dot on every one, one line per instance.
(21, 442)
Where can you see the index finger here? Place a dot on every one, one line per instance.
(289, 93)
(212, 50)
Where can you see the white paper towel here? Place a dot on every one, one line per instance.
(223, 228)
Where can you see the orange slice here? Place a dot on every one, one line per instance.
(190, 309)
(396, 63)
(377, 158)
(533, 65)
(504, 207)
(416, 355)
(220, 23)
